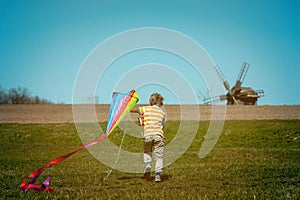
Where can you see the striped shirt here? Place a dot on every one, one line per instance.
(154, 119)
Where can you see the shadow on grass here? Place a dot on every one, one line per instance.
(164, 177)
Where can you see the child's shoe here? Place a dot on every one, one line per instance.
(147, 174)
(157, 177)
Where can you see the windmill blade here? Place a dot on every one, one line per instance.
(205, 98)
(243, 72)
(241, 76)
(260, 93)
(235, 101)
(215, 99)
(222, 78)
(201, 95)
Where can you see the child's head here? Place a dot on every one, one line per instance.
(156, 99)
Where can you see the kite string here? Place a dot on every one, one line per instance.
(117, 159)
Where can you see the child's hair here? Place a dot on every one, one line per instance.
(156, 99)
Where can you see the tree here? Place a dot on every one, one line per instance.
(36, 100)
(19, 95)
(3, 96)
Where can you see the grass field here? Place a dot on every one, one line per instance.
(252, 160)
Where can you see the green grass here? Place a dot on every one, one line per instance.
(252, 160)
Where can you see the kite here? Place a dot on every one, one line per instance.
(120, 106)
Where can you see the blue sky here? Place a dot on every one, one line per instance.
(44, 43)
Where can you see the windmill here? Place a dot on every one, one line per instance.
(237, 94)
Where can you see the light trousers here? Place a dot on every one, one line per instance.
(156, 142)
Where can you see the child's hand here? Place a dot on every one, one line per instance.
(134, 110)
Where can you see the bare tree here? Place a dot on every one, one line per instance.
(36, 100)
(19, 95)
(4, 99)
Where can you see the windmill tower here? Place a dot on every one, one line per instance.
(237, 95)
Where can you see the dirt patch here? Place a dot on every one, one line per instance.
(64, 113)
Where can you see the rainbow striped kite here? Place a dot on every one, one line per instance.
(119, 110)
(120, 106)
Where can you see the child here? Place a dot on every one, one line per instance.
(153, 120)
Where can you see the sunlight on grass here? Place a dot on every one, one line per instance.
(252, 159)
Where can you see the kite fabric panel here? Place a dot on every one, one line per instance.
(119, 111)
(120, 106)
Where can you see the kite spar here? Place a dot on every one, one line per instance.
(120, 106)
